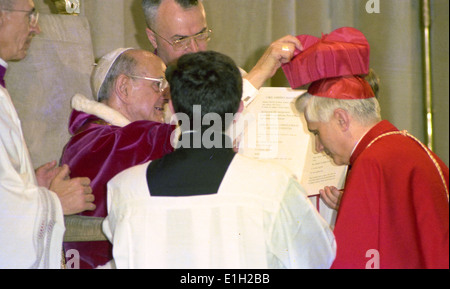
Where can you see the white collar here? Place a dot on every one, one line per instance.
(3, 63)
(90, 106)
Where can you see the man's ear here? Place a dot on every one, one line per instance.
(151, 37)
(343, 118)
(122, 88)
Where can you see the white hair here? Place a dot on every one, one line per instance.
(320, 109)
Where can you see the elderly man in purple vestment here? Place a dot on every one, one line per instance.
(123, 127)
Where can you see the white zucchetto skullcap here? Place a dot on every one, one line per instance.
(102, 68)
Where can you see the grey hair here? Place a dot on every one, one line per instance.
(7, 4)
(320, 109)
(124, 64)
(150, 8)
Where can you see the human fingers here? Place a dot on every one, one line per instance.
(84, 181)
(335, 192)
(89, 202)
(326, 199)
(47, 166)
(283, 51)
(77, 204)
(46, 173)
(63, 173)
(291, 40)
(291, 44)
(330, 197)
(89, 198)
(90, 207)
(78, 196)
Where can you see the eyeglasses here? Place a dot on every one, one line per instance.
(184, 42)
(33, 15)
(159, 84)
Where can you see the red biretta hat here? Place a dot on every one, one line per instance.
(334, 61)
(342, 87)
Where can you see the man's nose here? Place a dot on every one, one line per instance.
(35, 29)
(193, 45)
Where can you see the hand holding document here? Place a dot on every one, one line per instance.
(271, 128)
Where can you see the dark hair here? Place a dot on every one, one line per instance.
(209, 79)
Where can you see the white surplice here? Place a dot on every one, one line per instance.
(31, 217)
(260, 218)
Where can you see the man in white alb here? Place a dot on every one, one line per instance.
(32, 204)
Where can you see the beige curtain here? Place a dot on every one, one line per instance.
(244, 28)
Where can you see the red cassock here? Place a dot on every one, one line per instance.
(394, 212)
(99, 151)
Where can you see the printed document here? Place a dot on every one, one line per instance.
(271, 128)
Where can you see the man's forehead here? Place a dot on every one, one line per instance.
(179, 21)
(22, 4)
(149, 62)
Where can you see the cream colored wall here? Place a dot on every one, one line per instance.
(244, 28)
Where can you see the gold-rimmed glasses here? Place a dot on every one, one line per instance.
(183, 42)
(33, 15)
